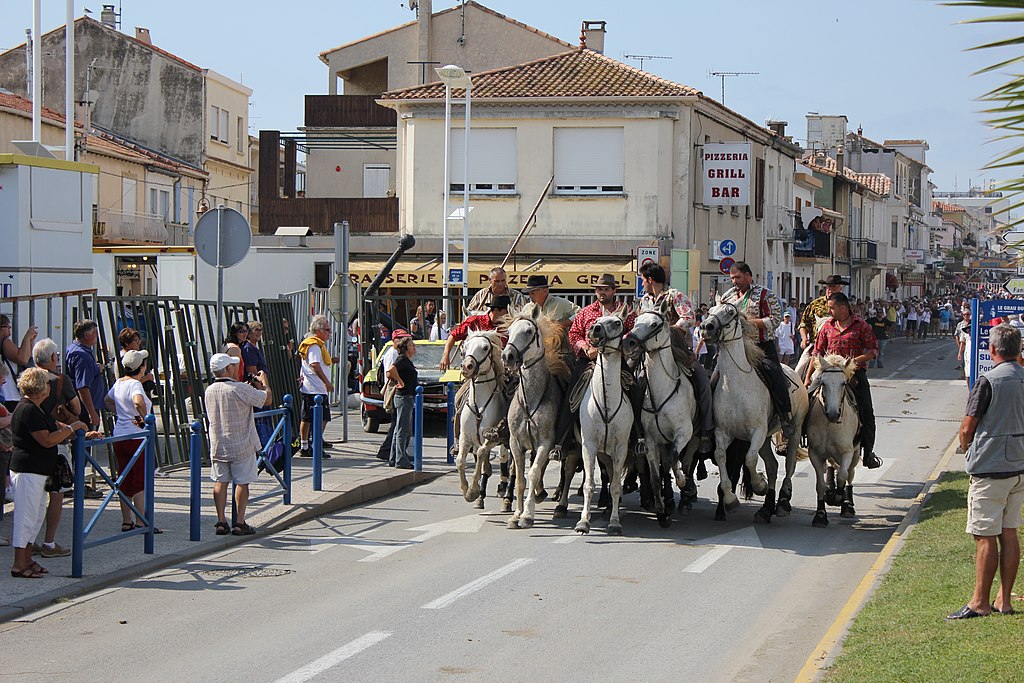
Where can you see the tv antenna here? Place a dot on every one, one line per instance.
(642, 58)
(728, 74)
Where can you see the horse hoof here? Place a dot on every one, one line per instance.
(582, 527)
(557, 494)
(479, 504)
(762, 517)
(513, 523)
(783, 508)
(835, 499)
(848, 512)
(525, 522)
(541, 496)
(506, 505)
(820, 520)
(614, 530)
(471, 495)
(664, 521)
(759, 484)
(501, 488)
(733, 506)
(560, 512)
(684, 509)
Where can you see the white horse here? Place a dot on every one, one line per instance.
(832, 427)
(668, 406)
(606, 418)
(534, 348)
(485, 407)
(743, 408)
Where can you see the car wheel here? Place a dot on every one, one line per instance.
(371, 425)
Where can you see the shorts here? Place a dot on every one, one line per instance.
(944, 326)
(994, 505)
(911, 325)
(135, 482)
(307, 407)
(240, 472)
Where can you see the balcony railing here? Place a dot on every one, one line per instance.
(843, 249)
(778, 223)
(348, 111)
(812, 244)
(364, 215)
(865, 251)
(119, 226)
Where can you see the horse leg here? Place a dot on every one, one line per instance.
(847, 510)
(614, 524)
(589, 461)
(727, 500)
(668, 494)
(504, 468)
(485, 475)
(821, 516)
(540, 494)
(688, 493)
(535, 477)
(460, 465)
(646, 487)
(482, 453)
(654, 482)
(785, 504)
(517, 480)
(757, 480)
(771, 466)
(568, 468)
(603, 501)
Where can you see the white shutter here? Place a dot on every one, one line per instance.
(225, 119)
(588, 157)
(492, 156)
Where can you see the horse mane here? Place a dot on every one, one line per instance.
(834, 360)
(552, 336)
(494, 340)
(682, 351)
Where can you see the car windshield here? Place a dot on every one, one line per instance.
(428, 356)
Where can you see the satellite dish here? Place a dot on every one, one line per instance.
(222, 237)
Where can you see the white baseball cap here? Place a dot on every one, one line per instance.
(133, 360)
(219, 361)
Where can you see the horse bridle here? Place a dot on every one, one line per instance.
(655, 330)
(470, 403)
(821, 398)
(530, 423)
(735, 322)
(534, 340)
(605, 418)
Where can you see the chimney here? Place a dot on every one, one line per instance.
(423, 19)
(777, 127)
(592, 35)
(840, 158)
(109, 16)
(142, 35)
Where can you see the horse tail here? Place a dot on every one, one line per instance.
(747, 486)
(802, 453)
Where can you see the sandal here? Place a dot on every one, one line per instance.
(127, 526)
(26, 573)
(222, 528)
(36, 567)
(242, 529)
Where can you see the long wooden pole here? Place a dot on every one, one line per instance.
(526, 226)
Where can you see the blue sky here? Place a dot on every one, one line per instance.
(896, 67)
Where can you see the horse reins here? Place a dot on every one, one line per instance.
(656, 410)
(842, 401)
(530, 424)
(471, 403)
(735, 322)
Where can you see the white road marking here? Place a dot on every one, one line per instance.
(482, 582)
(566, 539)
(332, 659)
(707, 559)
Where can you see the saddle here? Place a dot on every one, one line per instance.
(580, 388)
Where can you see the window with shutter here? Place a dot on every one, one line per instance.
(225, 119)
(214, 122)
(492, 160)
(589, 160)
(759, 189)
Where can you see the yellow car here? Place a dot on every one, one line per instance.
(433, 381)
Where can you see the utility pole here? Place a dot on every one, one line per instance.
(642, 58)
(724, 74)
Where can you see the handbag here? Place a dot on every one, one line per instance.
(389, 397)
(61, 478)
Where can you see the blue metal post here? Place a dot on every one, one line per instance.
(149, 462)
(450, 458)
(972, 365)
(318, 443)
(78, 518)
(195, 470)
(417, 457)
(286, 438)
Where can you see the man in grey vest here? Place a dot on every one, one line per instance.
(991, 436)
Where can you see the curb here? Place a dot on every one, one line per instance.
(293, 515)
(828, 647)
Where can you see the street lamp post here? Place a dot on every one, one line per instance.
(455, 77)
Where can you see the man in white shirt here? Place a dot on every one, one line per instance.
(316, 361)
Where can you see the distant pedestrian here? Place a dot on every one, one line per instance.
(15, 357)
(440, 329)
(252, 357)
(963, 341)
(945, 316)
(81, 365)
(990, 435)
(879, 324)
(233, 438)
(238, 334)
(784, 336)
(129, 339)
(316, 381)
(6, 447)
(403, 373)
(387, 358)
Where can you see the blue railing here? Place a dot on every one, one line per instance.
(146, 453)
(417, 433)
(317, 444)
(282, 434)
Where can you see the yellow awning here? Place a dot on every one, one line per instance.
(563, 275)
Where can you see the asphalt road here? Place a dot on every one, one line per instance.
(422, 587)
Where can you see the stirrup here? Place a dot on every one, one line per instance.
(641, 447)
(555, 454)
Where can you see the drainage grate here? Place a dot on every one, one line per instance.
(245, 573)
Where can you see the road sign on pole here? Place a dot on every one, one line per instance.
(1015, 286)
(455, 276)
(727, 247)
(982, 313)
(725, 264)
(222, 239)
(646, 255)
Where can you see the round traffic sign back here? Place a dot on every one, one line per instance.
(725, 264)
(222, 237)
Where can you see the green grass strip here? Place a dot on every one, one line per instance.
(901, 635)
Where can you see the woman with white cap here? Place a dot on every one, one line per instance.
(128, 400)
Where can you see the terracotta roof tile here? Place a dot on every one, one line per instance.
(477, 5)
(904, 142)
(879, 183)
(945, 207)
(19, 103)
(578, 73)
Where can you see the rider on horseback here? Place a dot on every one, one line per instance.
(681, 315)
(847, 335)
(818, 310)
(764, 311)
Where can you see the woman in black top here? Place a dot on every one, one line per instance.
(36, 435)
(404, 374)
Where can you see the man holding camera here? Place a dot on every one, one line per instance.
(233, 438)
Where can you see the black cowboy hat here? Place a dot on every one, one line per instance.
(500, 302)
(535, 282)
(833, 280)
(607, 280)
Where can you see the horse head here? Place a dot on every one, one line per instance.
(478, 355)
(832, 373)
(524, 341)
(720, 318)
(607, 331)
(649, 332)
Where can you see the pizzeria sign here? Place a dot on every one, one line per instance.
(726, 170)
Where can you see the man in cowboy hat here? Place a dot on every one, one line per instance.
(817, 311)
(497, 310)
(497, 285)
(554, 307)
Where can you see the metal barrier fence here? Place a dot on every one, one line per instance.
(147, 453)
(54, 313)
(281, 435)
(316, 301)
